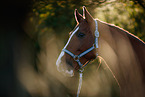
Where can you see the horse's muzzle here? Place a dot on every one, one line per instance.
(64, 66)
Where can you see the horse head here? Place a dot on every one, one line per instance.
(80, 48)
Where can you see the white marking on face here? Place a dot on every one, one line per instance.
(58, 62)
(60, 66)
(71, 37)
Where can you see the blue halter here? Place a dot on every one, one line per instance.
(77, 57)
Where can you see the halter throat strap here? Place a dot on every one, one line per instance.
(77, 57)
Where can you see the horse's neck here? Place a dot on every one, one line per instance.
(139, 48)
(119, 49)
(115, 42)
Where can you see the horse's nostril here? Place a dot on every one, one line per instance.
(69, 63)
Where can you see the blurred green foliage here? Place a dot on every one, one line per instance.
(58, 14)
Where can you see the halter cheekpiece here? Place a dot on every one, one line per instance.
(77, 57)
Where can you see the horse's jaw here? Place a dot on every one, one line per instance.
(63, 67)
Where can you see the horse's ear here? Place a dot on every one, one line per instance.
(88, 16)
(78, 16)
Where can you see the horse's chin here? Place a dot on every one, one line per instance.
(63, 67)
(67, 71)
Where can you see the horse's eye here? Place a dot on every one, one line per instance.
(80, 34)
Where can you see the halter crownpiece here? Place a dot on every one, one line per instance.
(77, 57)
(96, 34)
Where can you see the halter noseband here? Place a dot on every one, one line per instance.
(77, 57)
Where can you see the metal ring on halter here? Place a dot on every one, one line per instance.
(76, 57)
(81, 70)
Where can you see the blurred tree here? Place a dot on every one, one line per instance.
(141, 3)
(58, 14)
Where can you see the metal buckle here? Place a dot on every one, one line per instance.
(81, 70)
(76, 58)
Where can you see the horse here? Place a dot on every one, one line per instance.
(123, 52)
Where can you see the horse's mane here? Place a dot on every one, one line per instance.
(130, 35)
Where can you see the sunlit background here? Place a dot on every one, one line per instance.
(32, 34)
